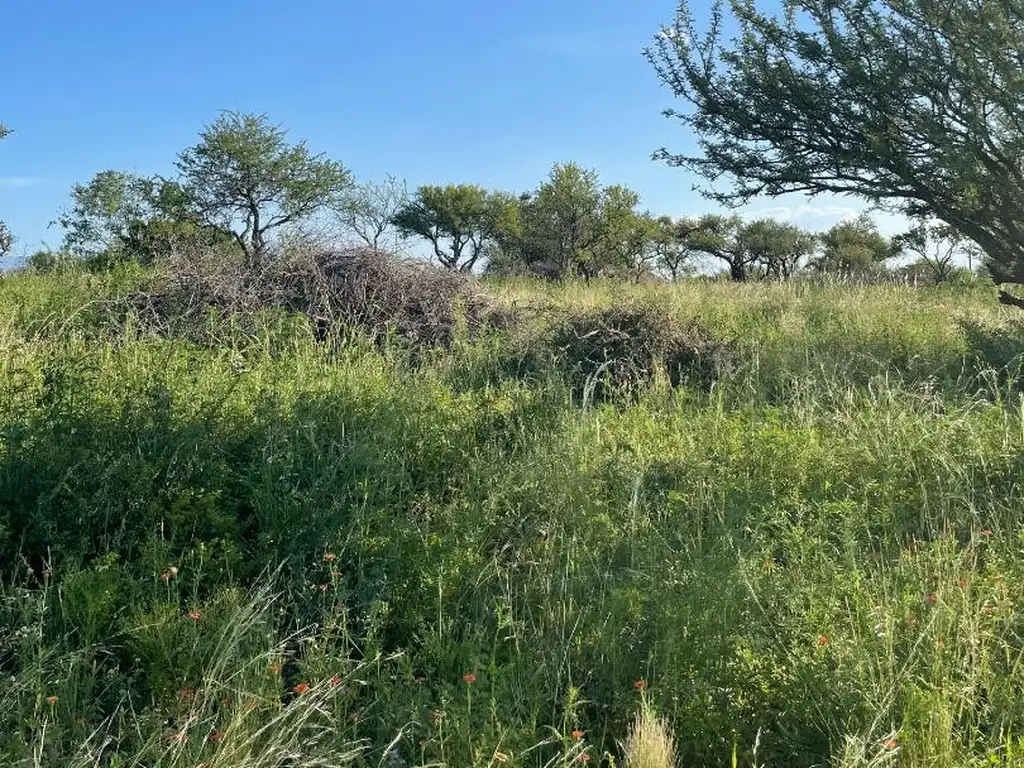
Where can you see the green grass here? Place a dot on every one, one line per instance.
(816, 561)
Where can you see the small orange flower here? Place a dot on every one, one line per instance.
(822, 640)
(51, 699)
(330, 557)
(186, 693)
(216, 736)
(577, 734)
(194, 615)
(469, 678)
(639, 684)
(584, 757)
(301, 688)
(962, 583)
(889, 744)
(334, 681)
(985, 531)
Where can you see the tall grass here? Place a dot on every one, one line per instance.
(815, 561)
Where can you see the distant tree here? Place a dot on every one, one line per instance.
(104, 211)
(575, 225)
(672, 245)
(937, 247)
(776, 247)
(916, 105)
(368, 211)
(627, 241)
(459, 221)
(244, 178)
(855, 247)
(759, 248)
(6, 238)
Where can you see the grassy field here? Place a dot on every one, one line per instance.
(258, 550)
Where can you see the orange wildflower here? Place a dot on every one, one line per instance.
(640, 684)
(216, 736)
(51, 699)
(469, 678)
(584, 757)
(889, 744)
(330, 557)
(334, 681)
(577, 734)
(301, 688)
(194, 615)
(822, 640)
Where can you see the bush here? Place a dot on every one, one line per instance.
(623, 349)
(362, 288)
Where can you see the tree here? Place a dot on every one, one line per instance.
(245, 179)
(718, 236)
(576, 226)
(937, 247)
(855, 246)
(369, 210)
(104, 211)
(458, 220)
(777, 248)
(6, 238)
(672, 245)
(916, 105)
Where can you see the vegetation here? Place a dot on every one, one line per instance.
(238, 546)
(912, 104)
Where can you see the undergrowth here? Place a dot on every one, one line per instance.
(271, 551)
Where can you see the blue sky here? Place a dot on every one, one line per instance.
(433, 91)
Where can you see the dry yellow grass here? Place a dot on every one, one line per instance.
(650, 743)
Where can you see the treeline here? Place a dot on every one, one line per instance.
(245, 191)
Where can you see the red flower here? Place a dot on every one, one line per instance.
(334, 681)
(889, 744)
(301, 688)
(822, 640)
(577, 734)
(194, 615)
(469, 678)
(584, 757)
(51, 700)
(330, 557)
(639, 684)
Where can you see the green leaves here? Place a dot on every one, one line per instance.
(911, 104)
(243, 177)
(458, 220)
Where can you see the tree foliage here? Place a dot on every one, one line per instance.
(855, 247)
(246, 179)
(459, 221)
(760, 248)
(6, 238)
(368, 211)
(912, 104)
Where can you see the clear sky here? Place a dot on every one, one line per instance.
(434, 91)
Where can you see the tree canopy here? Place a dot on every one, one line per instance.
(245, 178)
(916, 105)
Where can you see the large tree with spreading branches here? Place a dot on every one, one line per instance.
(914, 105)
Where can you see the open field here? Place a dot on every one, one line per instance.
(257, 550)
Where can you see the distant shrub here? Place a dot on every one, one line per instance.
(625, 348)
(361, 288)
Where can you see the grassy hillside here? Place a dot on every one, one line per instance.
(802, 546)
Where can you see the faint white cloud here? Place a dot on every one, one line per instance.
(804, 213)
(19, 182)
